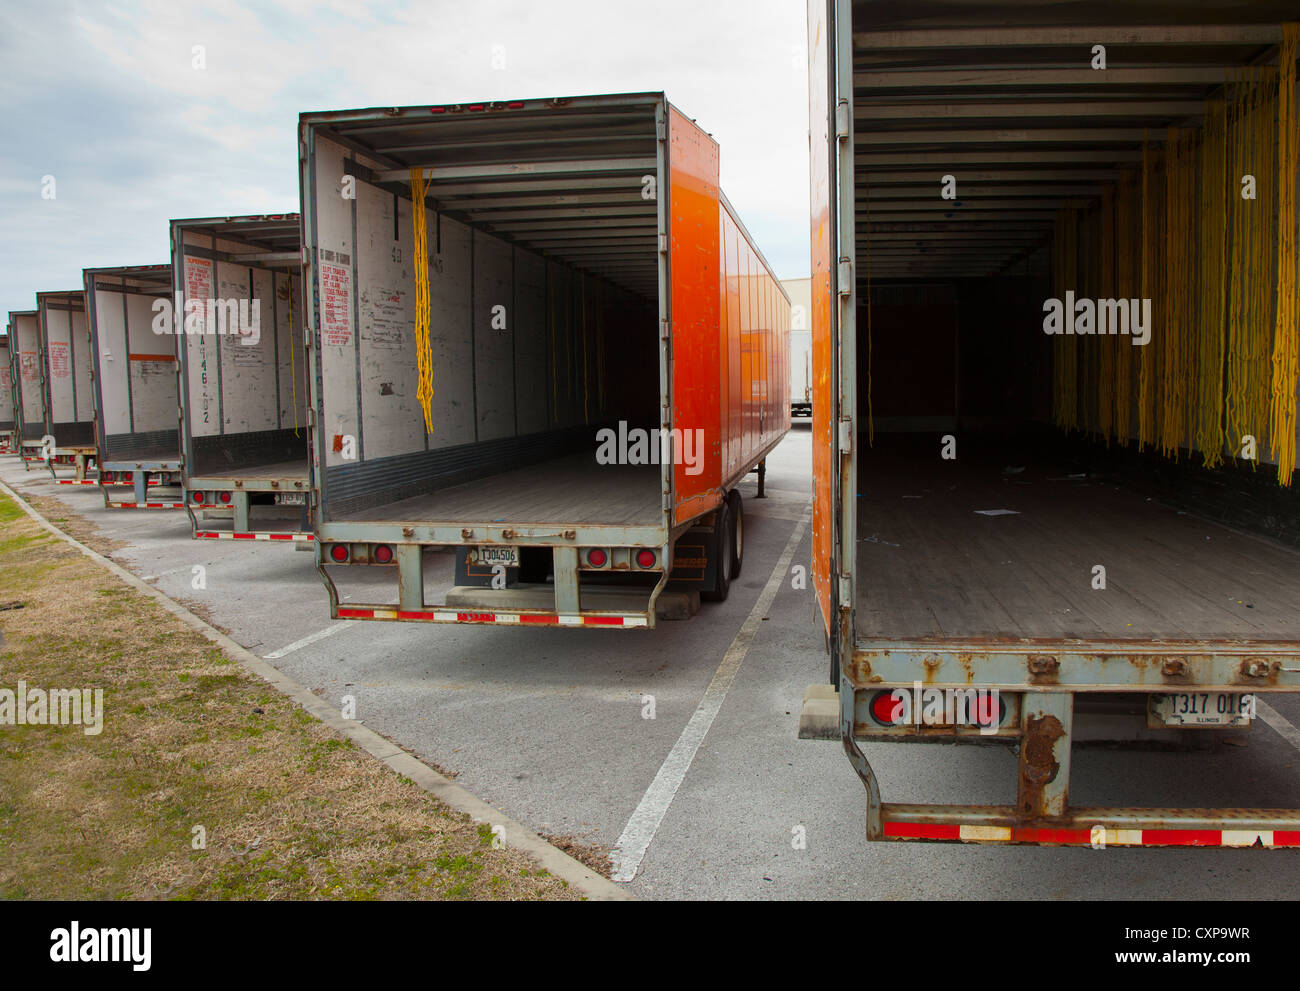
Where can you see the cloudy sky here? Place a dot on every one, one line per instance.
(106, 99)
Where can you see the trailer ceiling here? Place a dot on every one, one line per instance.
(563, 178)
(1019, 117)
(274, 240)
(147, 279)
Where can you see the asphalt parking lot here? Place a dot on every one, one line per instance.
(549, 727)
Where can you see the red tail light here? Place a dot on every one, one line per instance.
(198, 498)
(225, 497)
(886, 709)
(646, 558)
(383, 554)
(597, 558)
(339, 552)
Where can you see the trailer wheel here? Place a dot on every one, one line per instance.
(735, 505)
(722, 551)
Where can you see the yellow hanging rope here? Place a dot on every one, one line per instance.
(1151, 262)
(1128, 237)
(1105, 419)
(420, 259)
(1211, 333)
(1286, 332)
(1253, 122)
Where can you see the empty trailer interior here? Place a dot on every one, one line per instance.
(997, 170)
(543, 300)
(69, 392)
(133, 349)
(243, 377)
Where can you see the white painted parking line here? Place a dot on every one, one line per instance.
(307, 641)
(1278, 721)
(641, 828)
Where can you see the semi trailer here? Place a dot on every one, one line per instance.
(25, 367)
(68, 390)
(133, 360)
(237, 282)
(7, 415)
(1054, 373)
(800, 293)
(534, 396)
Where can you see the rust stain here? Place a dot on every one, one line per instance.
(1038, 763)
(966, 665)
(1044, 669)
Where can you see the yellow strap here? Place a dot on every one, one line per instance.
(420, 259)
(1286, 330)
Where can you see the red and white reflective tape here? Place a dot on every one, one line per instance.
(1098, 836)
(228, 535)
(146, 505)
(499, 618)
(77, 481)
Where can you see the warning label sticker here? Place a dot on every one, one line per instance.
(58, 352)
(336, 304)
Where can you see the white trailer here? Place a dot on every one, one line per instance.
(25, 366)
(69, 408)
(7, 415)
(134, 387)
(243, 384)
(800, 293)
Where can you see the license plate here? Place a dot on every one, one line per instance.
(489, 556)
(1191, 709)
(291, 498)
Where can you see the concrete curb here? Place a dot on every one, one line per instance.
(579, 876)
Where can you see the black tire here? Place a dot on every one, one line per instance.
(737, 510)
(721, 551)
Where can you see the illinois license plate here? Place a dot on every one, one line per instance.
(291, 498)
(1191, 709)
(489, 556)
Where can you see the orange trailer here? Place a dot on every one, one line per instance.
(605, 358)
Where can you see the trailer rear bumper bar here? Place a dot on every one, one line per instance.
(1095, 827)
(436, 615)
(254, 535)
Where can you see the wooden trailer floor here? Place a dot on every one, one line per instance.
(930, 565)
(295, 469)
(567, 490)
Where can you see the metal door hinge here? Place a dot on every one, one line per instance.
(842, 119)
(846, 436)
(844, 285)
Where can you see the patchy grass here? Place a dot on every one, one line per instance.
(193, 747)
